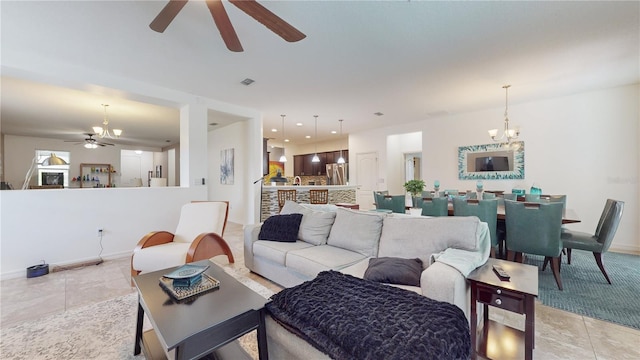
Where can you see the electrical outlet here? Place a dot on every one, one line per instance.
(100, 231)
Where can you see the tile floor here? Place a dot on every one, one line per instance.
(559, 334)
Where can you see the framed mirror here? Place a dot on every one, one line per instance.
(491, 162)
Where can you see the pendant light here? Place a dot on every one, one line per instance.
(103, 132)
(340, 159)
(508, 134)
(282, 157)
(315, 158)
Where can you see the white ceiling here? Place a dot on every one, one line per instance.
(409, 60)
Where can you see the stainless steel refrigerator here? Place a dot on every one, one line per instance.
(337, 174)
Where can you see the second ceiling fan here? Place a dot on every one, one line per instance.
(220, 17)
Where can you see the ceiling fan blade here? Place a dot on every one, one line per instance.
(166, 16)
(223, 23)
(269, 19)
(104, 143)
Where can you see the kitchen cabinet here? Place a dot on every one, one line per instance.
(302, 165)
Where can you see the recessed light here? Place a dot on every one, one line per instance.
(334, 132)
(298, 124)
(378, 113)
(286, 140)
(308, 137)
(247, 81)
(274, 130)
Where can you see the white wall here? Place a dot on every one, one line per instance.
(230, 137)
(584, 145)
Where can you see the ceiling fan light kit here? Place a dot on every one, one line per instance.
(220, 17)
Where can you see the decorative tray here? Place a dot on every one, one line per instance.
(186, 271)
(208, 283)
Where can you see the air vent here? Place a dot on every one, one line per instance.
(247, 81)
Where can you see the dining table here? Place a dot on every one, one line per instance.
(569, 216)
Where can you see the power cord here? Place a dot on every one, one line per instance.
(100, 261)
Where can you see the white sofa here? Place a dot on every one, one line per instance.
(332, 238)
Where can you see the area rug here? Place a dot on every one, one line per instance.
(586, 291)
(104, 330)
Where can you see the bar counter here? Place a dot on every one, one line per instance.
(337, 194)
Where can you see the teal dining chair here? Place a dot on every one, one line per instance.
(486, 211)
(534, 228)
(435, 206)
(554, 198)
(488, 195)
(395, 203)
(532, 197)
(599, 241)
(377, 195)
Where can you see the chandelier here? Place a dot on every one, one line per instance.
(509, 134)
(340, 159)
(103, 132)
(282, 157)
(315, 158)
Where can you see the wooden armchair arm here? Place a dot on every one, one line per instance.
(151, 239)
(154, 238)
(208, 245)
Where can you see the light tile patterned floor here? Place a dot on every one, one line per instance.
(559, 334)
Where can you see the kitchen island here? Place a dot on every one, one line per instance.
(337, 194)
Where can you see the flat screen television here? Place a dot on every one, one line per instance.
(52, 178)
(492, 163)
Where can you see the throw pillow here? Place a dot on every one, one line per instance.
(392, 270)
(356, 230)
(315, 225)
(282, 228)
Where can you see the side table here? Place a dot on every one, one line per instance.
(516, 295)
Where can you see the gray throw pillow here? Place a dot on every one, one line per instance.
(315, 225)
(392, 270)
(356, 230)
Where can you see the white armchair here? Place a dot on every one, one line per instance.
(197, 237)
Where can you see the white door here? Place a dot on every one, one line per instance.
(367, 179)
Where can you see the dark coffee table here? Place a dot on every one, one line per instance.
(191, 329)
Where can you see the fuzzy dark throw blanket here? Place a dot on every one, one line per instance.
(351, 318)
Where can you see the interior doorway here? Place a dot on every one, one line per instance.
(412, 166)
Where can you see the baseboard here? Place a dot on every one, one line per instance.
(55, 267)
(626, 250)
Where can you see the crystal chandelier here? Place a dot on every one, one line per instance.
(103, 132)
(340, 159)
(282, 157)
(315, 158)
(509, 134)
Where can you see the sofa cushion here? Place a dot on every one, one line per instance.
(312, 260)
(394, 270)
(276, 251)
(410, 237)
(357, 231)
(315, 225)
(281, 228)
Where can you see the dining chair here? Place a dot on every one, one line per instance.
(532, 197)
(395, 203)
(534, 228)
(435, 206)
(555, 198)
(486, 211)
(284, 195)
(599, 241)
(319, 196)
(488, 195)
(377, 194)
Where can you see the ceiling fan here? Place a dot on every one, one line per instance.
(220, 17)
(90, 142)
